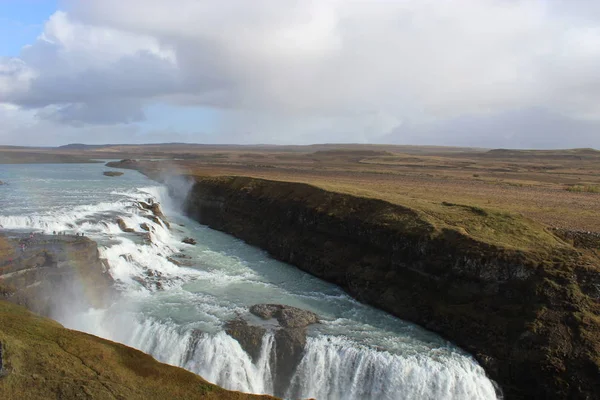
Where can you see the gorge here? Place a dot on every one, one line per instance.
(178, 312)
(528, 315)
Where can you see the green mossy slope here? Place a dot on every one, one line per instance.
(43, 360)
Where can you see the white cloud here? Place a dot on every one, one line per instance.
(323, 69)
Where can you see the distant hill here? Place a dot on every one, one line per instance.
(564, 153)
(81, 146)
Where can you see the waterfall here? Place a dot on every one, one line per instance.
(334, 368)
(176, 312)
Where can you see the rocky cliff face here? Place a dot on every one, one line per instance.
(51, 274)
(532, 320)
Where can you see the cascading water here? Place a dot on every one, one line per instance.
(176, 312)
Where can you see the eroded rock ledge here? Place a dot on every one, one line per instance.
(52, 274)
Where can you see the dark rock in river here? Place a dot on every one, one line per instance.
(180, 261)
(145, 227)
(154, 208)
(189, 240)
(2, 183)
(153, 219)
(290, 339)
(249, 336)
(112, 173)
(123, 226)
(287, 316)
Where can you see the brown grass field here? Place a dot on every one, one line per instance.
(558, 188)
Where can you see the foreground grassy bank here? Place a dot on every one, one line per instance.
(524, 302)
(42, 360)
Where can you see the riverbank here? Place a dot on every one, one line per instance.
(40, 359)
(503, 287)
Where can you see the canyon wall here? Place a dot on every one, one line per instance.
(530, 319)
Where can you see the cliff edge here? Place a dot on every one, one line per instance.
(52, 274)
(521, 300)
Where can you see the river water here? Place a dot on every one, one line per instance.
(176, 313)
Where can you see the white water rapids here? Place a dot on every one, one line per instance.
(176, 313)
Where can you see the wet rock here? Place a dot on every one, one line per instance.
(155, 208)
(112, 173)
(2, 183)
(143, 282)
(156, 211)
(289, 349)
(180, 262)
(174, 261)
(287, 316)
(189, 240)
(123, 226)
(126, 257)
(249, 336)
(145, 227)
(44, 265)
(153, 219)
(290, 339)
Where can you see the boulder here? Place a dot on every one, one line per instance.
(289, 349)
(112, 173)
(189, 240)
(145, 227)
(249, 336)
(2, 183)
(123, 226)
(153, 219)
(287, 316)
(154, 208)
(290, 339)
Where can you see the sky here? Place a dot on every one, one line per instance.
(481, 73)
